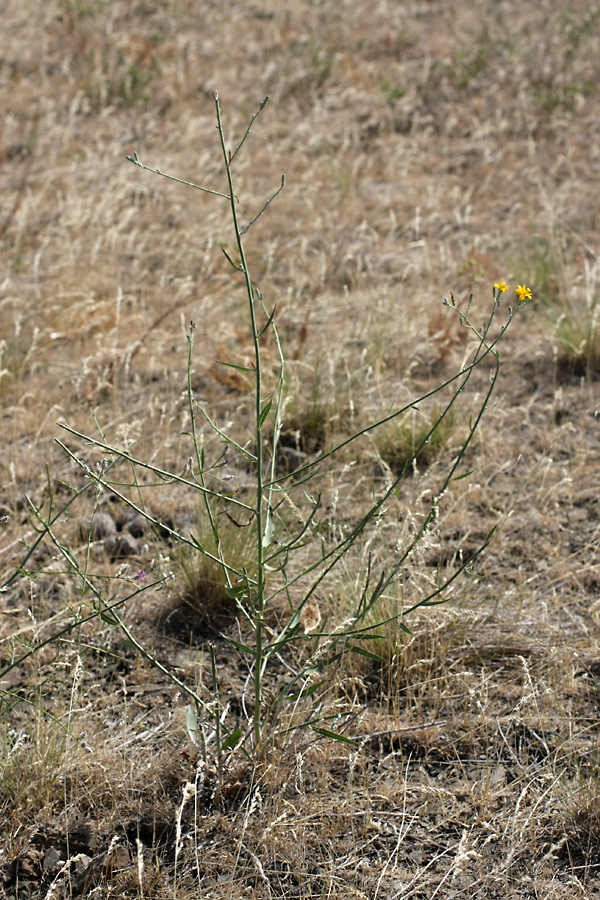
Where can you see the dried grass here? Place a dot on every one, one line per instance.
(428, 147)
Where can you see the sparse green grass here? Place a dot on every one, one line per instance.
(565, 278)
(415, 438)
(468, 63)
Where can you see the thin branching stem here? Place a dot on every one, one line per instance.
(134, 159)
(259, 599)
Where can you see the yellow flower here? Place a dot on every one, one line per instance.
(501, 286)
(523, 292)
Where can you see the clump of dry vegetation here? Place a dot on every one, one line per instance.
(428, 148)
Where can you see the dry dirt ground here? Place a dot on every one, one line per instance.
(428, 147)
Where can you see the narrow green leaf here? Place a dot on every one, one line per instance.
(127, 644)
(287, 637)
(367, 653)
(305, 693)
(379, 589)
(265, 412)
(110, 620)
(330, 660)
(268, 322)
(239, 646)
(229, 365)
(465, 475)
(335, 736)
(236, 591)
(230, 261)
(232, 740)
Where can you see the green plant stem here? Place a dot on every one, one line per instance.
(134, 159)
(259, 600)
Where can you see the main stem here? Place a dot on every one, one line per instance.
(259, 601)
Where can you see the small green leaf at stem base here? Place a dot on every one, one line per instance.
(232, 740)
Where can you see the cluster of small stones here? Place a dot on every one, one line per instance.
(120, 534)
